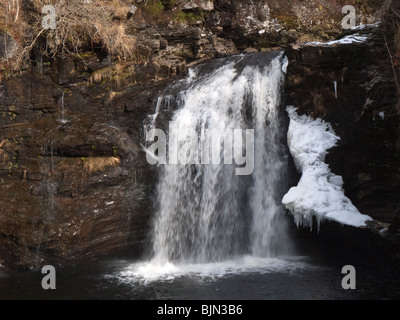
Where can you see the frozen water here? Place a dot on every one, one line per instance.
(319, 192)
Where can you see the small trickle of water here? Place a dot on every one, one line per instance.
(47, 190)
(62, 116)
(150, 122)
(335, 88)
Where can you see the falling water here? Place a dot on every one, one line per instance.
(62, 117)
(269, 160)
(162, 101)
(206, 213)
(47, 189)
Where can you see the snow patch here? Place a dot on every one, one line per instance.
(285, 64)
(363, 26)
(319, 192)
(353, 38)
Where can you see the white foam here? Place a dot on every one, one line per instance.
(319, 192)
(150, 271)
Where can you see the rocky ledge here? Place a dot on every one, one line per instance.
(74, 181)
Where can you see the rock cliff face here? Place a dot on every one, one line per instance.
(353, 87)
(74, 181)
(363, 111)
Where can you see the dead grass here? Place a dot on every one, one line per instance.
(121, 12)
(115, 39)
(3, 154)
(79, 25)
(101, 75)
(114, 73)
(100, 164)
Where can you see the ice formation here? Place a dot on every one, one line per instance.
(319, 192)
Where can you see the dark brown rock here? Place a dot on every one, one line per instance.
(74, 181)
(8, 47)
(72, 190)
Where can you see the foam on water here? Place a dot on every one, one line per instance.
(153, 271)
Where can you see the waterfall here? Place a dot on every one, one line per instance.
(269, 159)
(208, 213)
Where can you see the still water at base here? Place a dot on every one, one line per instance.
(245, 278)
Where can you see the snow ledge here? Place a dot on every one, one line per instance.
(319, 192)
(350, 39)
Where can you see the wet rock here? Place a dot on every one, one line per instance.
(250, 50)
(206, 5)
(169, 65)
(74, 180)
(223, 47)
(74, 190)
(3, 270)
(347, 245)
(190, 5)
(132, 9)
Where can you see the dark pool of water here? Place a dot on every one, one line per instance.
(101, 280)
(314, 272)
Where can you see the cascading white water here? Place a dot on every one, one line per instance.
(206, 213)
(267, 234)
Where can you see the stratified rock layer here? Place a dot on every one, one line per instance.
(74, 181)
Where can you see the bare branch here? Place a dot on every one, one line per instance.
(395, 12)
(393, 68)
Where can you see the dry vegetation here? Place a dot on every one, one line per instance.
(79, 24)
(100, 164)
(82, 25)
(3, 154)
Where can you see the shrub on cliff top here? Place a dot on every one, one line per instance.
(78, 24)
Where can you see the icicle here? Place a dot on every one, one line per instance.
(335, 87)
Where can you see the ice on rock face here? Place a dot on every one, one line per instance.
(353, 38)
(364, 26)
(319, 192)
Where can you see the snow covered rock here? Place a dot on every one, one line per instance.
(319, 192)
